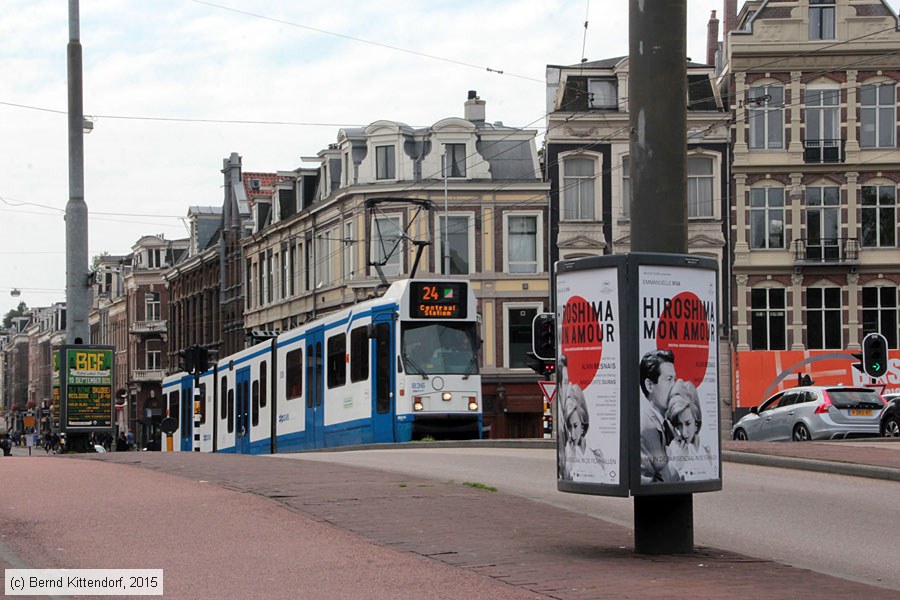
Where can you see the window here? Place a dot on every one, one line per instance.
(626, 187)
(879, 215)
(387, 247)
(768, 319)
(151, 306)
(823, 314)
(766, 218)
(454, 160)
(459, 234)
(522, 243)
(823, 221)
(202, 404)
(578, 189)
(285, 270)
(292, 275)
(349, 246)
(254, 405)
(222, 393)
(248, 278)
(293, 380)
(154, 260)
(154, 357)
(822, 117)
(766, 117)
(230, 411)
(173, 405)
(337, 360)
(263, 383)
(700, 186)
(261, 287)
(821, 19)
(518, 335)
(602, 93)
(879, 315)
(877, 115)
(323, 258)
(359, 354)
(270, 276)
(384, 162)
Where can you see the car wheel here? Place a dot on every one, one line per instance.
(891, 427)
(801, 433)
(740, 435)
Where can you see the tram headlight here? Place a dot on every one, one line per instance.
(446, 396)
(473, 403)
(417, 403)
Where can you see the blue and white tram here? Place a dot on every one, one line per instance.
(392, 369)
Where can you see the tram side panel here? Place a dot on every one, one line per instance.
(290, 400)
(348, 417)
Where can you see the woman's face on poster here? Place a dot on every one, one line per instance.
(686, 425)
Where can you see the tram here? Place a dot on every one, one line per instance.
(397, 368)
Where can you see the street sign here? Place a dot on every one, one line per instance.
(548, 388)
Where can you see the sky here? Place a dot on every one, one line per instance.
(173, 87)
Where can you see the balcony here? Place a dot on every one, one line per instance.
(148, 375)
(148, 327)
(823, 151)
(824, 251)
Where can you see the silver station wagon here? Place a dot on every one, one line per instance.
(813, 413)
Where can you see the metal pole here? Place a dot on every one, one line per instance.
(78, 290)
(445, 248)
(663, 524)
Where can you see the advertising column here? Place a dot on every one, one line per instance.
(87, 382)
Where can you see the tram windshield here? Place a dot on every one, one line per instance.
(439, 348)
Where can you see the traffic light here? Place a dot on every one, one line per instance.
(187, 359)
(534, 363)
(194, 359)
(875, 355)
(549, 369)
(543, 332)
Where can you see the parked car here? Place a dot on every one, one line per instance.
(890, 416)
(813, 413)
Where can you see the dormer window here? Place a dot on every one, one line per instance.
(821, 19)
(455, 160)
(602, 93)
(384, 162)
(153, 258)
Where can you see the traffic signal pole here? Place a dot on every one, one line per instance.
(657, 105)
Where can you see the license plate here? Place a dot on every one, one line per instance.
(858, 412)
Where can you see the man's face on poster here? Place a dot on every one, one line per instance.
(659, 391)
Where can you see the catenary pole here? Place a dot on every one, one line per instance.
(663, 524)
(78, 290)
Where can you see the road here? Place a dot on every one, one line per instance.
(842, 526)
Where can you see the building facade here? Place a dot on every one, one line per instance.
(376, 206)
(813, 88)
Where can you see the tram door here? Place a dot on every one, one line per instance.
(242, 411)
(383, 380)
(186, 413)
(315, 389)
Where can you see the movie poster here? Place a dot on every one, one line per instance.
(679, 407)
(588, 413)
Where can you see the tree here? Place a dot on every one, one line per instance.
(19, 311)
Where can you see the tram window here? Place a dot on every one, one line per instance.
(337, 360)
(202, 404)
(222, 397)
(359, 354)
(173, 406)
(263, 384)
(230, 411)
(294, 374)
(254, 416)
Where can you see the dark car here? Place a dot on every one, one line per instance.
(890, 416)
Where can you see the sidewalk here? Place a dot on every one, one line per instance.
(541, 549)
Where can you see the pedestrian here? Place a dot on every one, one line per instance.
(129, 440)
(120, 442)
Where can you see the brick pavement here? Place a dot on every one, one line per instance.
(537, 547)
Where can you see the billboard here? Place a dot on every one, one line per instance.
(87, 382)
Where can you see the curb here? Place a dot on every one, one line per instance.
(809, 464)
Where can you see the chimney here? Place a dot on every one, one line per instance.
(474, 108)
(712, 39)
(730, 16)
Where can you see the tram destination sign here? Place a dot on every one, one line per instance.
(438, 300)
(87, 382)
